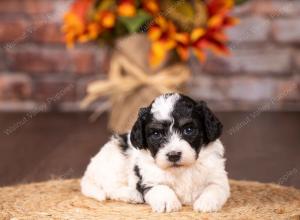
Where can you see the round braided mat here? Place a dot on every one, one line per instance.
(61, 199)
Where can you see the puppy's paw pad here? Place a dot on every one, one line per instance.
(207, 203)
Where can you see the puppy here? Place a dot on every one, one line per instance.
(171, 157)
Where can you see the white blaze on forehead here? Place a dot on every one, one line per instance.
(163, 106)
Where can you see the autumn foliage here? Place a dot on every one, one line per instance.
(183, 27)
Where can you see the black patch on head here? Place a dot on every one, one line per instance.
(195, 117)
(156, 135)
(142, 188)
(185, 118)
(137, 135)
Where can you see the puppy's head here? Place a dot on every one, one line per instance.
(174, 128)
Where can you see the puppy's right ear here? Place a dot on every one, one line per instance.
(137, 135)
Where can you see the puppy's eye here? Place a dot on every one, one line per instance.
(188, 131)
(156, 135)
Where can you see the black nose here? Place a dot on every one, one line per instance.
(174, 156)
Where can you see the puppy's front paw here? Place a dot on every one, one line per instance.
(135, 197)
(208, 203)
(162, 199)
(128, 194)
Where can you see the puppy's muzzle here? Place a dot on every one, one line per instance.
(174, 156)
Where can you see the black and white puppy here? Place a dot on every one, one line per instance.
(171, 157)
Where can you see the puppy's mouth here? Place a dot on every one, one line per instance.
(176, 165)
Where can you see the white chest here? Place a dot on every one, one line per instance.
(187, 185)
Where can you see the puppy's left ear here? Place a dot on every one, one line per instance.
(212, 125)
(137, 135)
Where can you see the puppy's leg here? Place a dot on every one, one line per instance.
(162, 199)
(212, 198)
(89, 189)
(126, 194)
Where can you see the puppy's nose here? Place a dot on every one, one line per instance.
(174, 156)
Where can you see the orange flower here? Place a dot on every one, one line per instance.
(127, 8)
(73, 27)
(193, 40)
(212, 36)
(182, 48)
(219, 6)
(215, 38)
(151, 6)
(162, 34)
(103, 20)
(79, 26)
(202, 40)
(81, 7)
(75, 22)
(106, 19)
(219, 13)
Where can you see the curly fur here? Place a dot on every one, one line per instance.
(171, 157)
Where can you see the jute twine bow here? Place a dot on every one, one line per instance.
(129, 87)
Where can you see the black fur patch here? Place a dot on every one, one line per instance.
(185, 116)
(137, 135)
(123, 139)
(154, 144)
(208, 125)
(142, 188)
(212, 125)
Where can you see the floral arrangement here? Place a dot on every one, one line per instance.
(173, 26)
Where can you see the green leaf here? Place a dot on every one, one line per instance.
(104, 4)
(238, 2)
(133, 24)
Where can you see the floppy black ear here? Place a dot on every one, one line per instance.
(212, 125)
(137, 135)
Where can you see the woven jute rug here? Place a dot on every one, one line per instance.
(61, 199)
